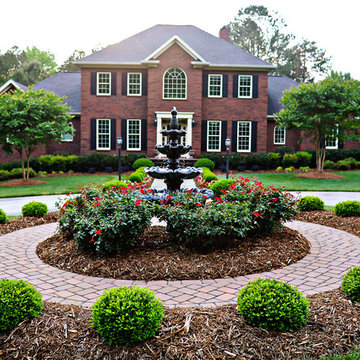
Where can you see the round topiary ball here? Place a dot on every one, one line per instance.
(18, 301)
(273, 305)
(221, 185)
(114, 185)
(204, 162)
(3, 217)
(34, 209)
(347, 208)
(310, 203)
(350, 285)
(142, 162)
(127, 315)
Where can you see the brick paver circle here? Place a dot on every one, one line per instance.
(333, 252)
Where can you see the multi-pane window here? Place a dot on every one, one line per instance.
(103, 83)
(244, 136)
(67, 137)
(334, 142)
(134, 84)
(103, 131)
(215, 85)
(279, 136)
(134, 134)
(213, 136)
(245, 86)
(174, 86)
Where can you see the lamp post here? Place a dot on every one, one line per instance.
(119, 142)
(227, 145)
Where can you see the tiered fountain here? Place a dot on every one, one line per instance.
(173, 174)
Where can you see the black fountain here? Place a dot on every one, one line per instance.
(173, 174)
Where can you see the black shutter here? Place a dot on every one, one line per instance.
(123, 133)
(225, 86)
(113, 134)
(93, 134)
(340, 145)
(255, 86)
(203, 135)
(253, 135)
(234, 131)
(93, 83)
(143, 135)
(113, 83)
(205, 85)
(144, 83)
(235, 86)
(223, 134)
(124, 83)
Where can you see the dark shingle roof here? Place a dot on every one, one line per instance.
(276, 87)
(212, 49)
(21, 86)
(64, 84)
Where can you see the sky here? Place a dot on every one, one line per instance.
(66, 25)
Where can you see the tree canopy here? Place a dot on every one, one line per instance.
(325, 111)
(263, 33)
(68, 64)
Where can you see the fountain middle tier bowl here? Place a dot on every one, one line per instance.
(177, 132)
(188, 172)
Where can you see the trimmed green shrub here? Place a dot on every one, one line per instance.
(114, 185)
(343, 165)
(350, 285)
(136, 177)
(208, 175)
(221, 185)
(217, 158)
(19, 301)
(263, 160)
(3, 217)
(279, 168)
(290, 169)
(57, 163)
(289, 160)
(143, 162)
(304, 168)
(34, 209)
(352, 162)
(310, 203)
(328, 164)
(205, 163)
(273, 305)
(127, 315)
(282, 150)
(347, 208)
(4, 175)
(235, 160)
(275, 160)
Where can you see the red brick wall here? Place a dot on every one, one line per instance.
(291, 139)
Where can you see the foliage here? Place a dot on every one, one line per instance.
(208, 175)
(297, 160)
(219, 185)
(19, 301)
(3, 217)
(324, 111)
(205, 163)
(347, 208)
(273, 305)
(142, 162)
(68, 64)
(31, 119)
(138, 175)
(127, 315)
(217, 158)
(51, 163)
(34, 209)
(350, 285)
(328, 164)
(263, 160)
(282, 150)
(15, 173)
(310, 203)
(114, 185)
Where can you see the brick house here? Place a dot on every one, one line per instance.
(128, 89)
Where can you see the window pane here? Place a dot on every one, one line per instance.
(103, 134)
(279, 135)
(174, 84)
(214, 135)
(134, 134)
(243, 136)
(215, 85)
(245, 85)
(104, 81)
(134, 84)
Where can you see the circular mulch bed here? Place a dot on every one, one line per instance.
(319, 175)
(169, 261)
(63, 332)
(22, 183)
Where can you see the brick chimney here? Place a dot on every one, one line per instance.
(224, 33)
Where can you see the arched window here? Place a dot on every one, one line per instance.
(279, 136)
(174, 86)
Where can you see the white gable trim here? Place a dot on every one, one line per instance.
(175, 40)
(7, 85)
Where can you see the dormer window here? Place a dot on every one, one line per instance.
(174, 84)
(103, 83)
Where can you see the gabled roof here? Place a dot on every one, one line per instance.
(148, 44)
(276, 87)
(12, 84)
(64, 84)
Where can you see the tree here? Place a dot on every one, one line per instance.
(263, 34)
(68, 64)
(9, 62)
(46, 59)
(324, 111)
(31, 119)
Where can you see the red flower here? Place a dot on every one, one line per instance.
(92, 239)
(275, 199)
(138, 202)
(98, 231)
(256, 214)
(161, 201)
(198, 205)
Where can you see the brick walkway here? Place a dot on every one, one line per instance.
(333, 252)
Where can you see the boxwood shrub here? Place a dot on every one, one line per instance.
(3, 217)
(350, 285)
(34, 209)
(114, 185)
(143, 162)
(205, 163)
(347, 208)
(310, 203)
(208, 175)
(219, 185)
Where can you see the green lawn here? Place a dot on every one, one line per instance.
(56, 185)
(351, 181)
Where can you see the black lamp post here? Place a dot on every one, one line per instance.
(119, 142)
(227, 144)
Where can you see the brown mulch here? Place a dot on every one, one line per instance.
(63, 332)
(319, 175)
(22, 183)
(328, 218)
(169, 261)
(25, 222)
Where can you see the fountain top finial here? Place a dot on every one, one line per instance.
(174, 111)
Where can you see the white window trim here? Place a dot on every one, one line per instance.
(237, 138)
(279, 143)
(72, 135)
(97, 135)
(127, 135)
(163, 83)
(97, 83)
(128, 83)
(207, 137)
(221, 86)
(251, 87)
